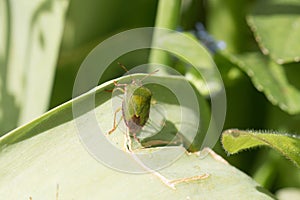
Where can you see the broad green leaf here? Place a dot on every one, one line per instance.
(33, 32)
(288, 145)
(45, 159)
(270, 78)
(276, 25)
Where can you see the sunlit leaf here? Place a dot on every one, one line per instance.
(288, 194)
(32, 34)
(46, 159)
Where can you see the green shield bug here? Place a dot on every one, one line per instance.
(135, 105)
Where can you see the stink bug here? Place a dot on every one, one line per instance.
(135, 105)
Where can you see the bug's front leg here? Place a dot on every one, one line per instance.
(115, 124)
(120, 84)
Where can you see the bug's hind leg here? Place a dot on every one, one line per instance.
(136, 138)
(115, 123)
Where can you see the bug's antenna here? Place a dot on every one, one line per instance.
(149, 75)
(121, 65)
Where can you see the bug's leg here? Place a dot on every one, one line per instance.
(128, 141)
(121, 89)
(115, 124)
(117, 87)
(120, 84)
(107, 90)
(136, 138)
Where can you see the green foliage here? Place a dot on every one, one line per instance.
(270, 78)
(259, 66)
(288, 145)
(197, 57)
(276, 26)
(32, 36)
(262, 41)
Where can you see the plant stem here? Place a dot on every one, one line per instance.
(168, 13)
